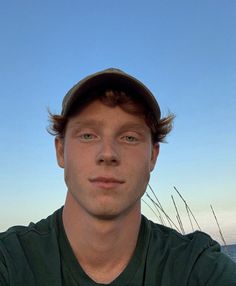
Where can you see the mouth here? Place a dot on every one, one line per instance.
(106, 182)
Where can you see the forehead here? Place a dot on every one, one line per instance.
(97, 113)
(112, 98)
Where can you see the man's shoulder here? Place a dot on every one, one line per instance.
(29, 251)
(174, 237)
(194, 256)
(184, 247)
(40, 228)
(24, 239)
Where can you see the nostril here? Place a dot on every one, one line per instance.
(107, 160)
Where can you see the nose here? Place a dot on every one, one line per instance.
(108, 153)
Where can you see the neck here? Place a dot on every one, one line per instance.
(102, 247)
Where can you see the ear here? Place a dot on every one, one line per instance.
(154, 155)
(59, 145)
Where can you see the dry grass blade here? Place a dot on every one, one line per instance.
(220, 231)
(178, 216)
(188, 210)
(166, 215)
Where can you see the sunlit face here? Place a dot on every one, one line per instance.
(107, 156)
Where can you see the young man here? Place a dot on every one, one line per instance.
(107, 142)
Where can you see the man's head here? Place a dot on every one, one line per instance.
(107, 141)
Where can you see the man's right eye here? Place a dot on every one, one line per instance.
(87, 136)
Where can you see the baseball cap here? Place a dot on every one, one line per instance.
(110, 78)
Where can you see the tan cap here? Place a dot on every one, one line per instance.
(110, 78)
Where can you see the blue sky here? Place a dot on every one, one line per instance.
(184, 51)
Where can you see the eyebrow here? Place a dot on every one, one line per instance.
(136, 126)
(86, 123)
(95, 123)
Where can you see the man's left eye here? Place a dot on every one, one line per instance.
(130, 138)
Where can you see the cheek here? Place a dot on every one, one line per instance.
(147, 167)
(140, 180)
(73, 168)
(79, 163)
(140, 169)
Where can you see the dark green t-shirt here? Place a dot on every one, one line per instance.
(40, 254)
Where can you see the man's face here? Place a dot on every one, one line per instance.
(107, 156)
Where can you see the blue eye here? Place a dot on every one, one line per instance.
(130, 138)
(87, 136)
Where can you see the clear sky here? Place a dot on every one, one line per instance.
(184, 51)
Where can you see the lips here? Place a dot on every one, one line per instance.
(106, 182)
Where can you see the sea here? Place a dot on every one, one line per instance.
(230, 250)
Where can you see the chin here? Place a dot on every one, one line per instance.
(107, 217)
(111, 214)
(106, 213)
